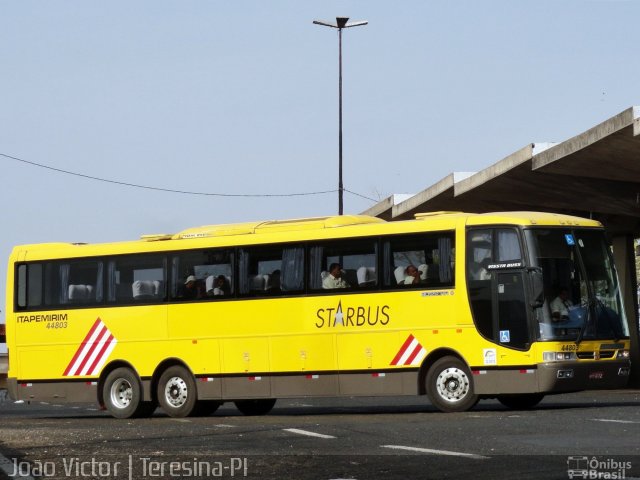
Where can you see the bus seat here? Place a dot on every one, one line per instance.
(366, 276)
(399, 274)
(257, 282)
(423, 269)
(145, 289)
(80, 292)
(158, 286)
(208, 283)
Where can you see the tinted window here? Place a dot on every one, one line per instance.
(137, 279)
(423, 261)
(353, 262)
(202, 274)
(271, 270)
(55, 284)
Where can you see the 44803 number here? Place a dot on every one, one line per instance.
(57, 325)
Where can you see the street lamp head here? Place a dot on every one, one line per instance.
(342, 21)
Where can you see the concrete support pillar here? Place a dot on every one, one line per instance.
(624, 256)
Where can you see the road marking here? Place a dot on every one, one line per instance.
(56, 405)
(435, 452)
(92, 409)
(224, 425)
(181, 420)
(307, 433)
(44, 403)
(613, 421)
(8, 467)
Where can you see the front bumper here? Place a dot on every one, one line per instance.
(575, 376)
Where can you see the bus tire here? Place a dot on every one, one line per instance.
(122, 393)
(521, 401)
(449, 385)
(177, 392)
(255, 407)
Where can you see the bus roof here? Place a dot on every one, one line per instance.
(295, 230)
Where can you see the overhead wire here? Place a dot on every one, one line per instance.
(172, 190)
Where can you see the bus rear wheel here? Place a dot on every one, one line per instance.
(255, 407)
(449, 385)
(177, 392)
(521, 401)
(122, 394)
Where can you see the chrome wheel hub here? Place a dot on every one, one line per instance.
(176, 392)
(121, 393)
(453, 384)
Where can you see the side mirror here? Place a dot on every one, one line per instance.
(537, 287)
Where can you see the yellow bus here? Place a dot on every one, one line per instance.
(455, 306)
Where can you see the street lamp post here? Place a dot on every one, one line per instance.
(341, 22)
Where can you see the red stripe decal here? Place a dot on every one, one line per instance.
(407, 342)
(94, 346)
(414, 354)
(100, 354)
(86, 339)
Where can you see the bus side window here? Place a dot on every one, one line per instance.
(423, 261)
(137, 278)
(273, 270)
(210, 270)
(357, 259)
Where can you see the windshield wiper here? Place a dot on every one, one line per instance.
(583, 328)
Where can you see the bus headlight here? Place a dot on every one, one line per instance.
(558, 356)
(622, 354)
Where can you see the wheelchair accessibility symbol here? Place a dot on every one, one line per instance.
(505, 336)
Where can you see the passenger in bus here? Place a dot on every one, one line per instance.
(189, 290)
(560, 305)
(412, 275)
(220, 287)
(479, 271)
(334, 279)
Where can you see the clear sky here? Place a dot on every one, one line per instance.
(241, 98)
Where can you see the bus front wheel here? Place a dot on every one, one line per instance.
(521, 401)
(122, 393)
(177, 393)
(255, 407)
(449, 385)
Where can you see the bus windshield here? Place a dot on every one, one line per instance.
(582, 295)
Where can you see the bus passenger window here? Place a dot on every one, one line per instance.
(425, 260)
(271, 270)
(203, 274)
(84, 281)
(348, 264)
(29, 285)
(137, 279)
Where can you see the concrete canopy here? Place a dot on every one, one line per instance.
(594, 174)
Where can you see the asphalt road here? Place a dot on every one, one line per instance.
(590, 433)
